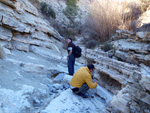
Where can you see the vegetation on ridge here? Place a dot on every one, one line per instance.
(108, 16)
(71, 9)
(47, 10)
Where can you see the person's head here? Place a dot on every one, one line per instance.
(91, 67)
(68, 40)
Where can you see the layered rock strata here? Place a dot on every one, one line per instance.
(124, 71)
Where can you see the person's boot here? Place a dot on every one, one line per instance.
(85, 96)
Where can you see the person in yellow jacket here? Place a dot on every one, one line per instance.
(82, 81)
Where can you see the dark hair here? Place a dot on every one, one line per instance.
(90, 66)
(70, 39)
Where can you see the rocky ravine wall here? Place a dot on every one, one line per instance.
(125, 71)
(22, 28)
(34, 54)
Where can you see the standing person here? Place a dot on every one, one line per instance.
(82, 81)
(70, 57)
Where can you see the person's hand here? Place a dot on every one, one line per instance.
(95, 81)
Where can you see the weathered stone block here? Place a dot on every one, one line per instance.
(41, 36)
(21, 46)
(141, 35)
(6, 44)
(30, 8)
(5, 34)
(10, 3)
(15, 25)
(137, 47)
(120, 101)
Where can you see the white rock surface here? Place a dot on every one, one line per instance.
(15, 101)
(67, 102)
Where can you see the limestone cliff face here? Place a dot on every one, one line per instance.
(22, 28)
(33, 52)
(22, 17)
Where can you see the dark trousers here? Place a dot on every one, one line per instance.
(82, 90)
(71, 63)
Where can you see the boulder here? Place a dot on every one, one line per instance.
(104, 94)
(120, 101)
(67, 78)
(59, 77)
(143, 36)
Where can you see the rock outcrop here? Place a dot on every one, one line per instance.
(124, 71)
(21, 28)
(32, 52)
(132, 48)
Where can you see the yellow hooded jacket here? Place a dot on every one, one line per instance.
(83, 75)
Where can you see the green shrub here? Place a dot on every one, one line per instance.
(47, 10)
(65, 31)
(91, 44)
(71, 9)
(70, 34)
(107, 46)
(68, 31)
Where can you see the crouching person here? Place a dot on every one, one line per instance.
(82, 81)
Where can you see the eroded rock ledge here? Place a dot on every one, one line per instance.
(22, 21)
(33, 53)
(125, 71)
